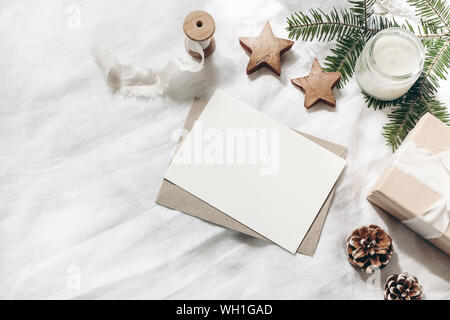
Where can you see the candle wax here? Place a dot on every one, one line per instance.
(395, 55)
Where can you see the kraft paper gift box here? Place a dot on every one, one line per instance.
(415, 188)
(174, 197)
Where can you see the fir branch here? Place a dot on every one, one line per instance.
(438, 61)
(405, 116)
(324, 26)
(380, 104)
(436, 12)
(379, 23)
(352, 28)
(427, 33)
(432, 36)
(363, 9)
(349, 47)
(345, 55)
(420, 98)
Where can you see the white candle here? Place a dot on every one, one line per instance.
(390, 63)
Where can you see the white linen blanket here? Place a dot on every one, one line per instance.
(81, 167)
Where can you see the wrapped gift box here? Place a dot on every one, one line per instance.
(415, 187)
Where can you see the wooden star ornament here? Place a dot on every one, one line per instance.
(318, 85)
(265, 50)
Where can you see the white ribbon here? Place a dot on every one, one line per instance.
(137, 81)
(193, 45)
(432, 170)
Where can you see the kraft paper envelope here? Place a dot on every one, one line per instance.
(175, 197)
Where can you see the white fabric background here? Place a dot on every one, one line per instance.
(81, 167)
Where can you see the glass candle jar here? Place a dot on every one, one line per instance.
(390, 63)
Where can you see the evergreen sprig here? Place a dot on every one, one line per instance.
(420, 98)
(321, 25)
(435, 12)
(346, 52)
(354, 27)
(363, 10)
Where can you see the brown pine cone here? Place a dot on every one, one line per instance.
(402, 287)
(369, 248)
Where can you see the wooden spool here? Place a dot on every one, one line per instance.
(199, 26)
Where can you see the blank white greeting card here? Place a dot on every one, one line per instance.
(256, 170)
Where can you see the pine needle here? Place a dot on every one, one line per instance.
(354, 27)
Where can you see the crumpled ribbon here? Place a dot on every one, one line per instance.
(432, 170)
(137, 81)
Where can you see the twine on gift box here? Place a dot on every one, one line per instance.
(433, 171)
(149, 82)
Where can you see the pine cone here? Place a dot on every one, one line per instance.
(369, 248)
(402, 287)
